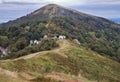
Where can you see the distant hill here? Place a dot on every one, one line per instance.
(96, 33)
(117, 20)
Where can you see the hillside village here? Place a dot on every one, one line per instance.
(4, 52)
(34, 42)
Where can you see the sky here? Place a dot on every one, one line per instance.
(12, 9)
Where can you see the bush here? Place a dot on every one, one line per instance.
(46, 44)
(4, 41)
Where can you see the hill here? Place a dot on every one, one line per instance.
(68, 63)
(99, 34)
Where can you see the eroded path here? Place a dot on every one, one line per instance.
(62, 45)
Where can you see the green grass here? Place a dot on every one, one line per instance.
(78, 61)
(7, 78)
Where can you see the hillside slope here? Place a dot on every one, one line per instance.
(68, 63)
(97, 33)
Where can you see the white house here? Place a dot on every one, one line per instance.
(62, 37)
(36, 42)
(45, 36)
(33, 42)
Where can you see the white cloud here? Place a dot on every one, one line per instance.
(100, 2)
(60, 2)
(68, 2)
(0, 1)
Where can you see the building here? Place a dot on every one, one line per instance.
(36, 42)
(62, 37)
(45, 36)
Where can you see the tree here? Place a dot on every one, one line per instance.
(21, 43)
(4, 41)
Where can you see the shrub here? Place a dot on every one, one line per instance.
(46, 44)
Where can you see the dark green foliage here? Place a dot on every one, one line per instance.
(4, 41)
(98, 35)
(46, 44)
(21, 43)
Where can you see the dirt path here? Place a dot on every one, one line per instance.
(63, 44)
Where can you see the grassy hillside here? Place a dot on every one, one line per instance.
(68, 63)
(99, 34)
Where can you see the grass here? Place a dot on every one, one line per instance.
(78, 61)
(7, 78)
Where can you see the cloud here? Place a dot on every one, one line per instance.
(107, 11)
(60, 2)
(100, 2)
(0, 1)
(67, 2)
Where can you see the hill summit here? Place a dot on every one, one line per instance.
(54, 10)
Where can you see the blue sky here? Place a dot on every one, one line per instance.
(12, 9)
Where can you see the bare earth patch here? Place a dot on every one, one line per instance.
(26, 75)
(57, 77)
(9, 73)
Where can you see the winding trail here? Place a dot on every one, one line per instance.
(62, 45)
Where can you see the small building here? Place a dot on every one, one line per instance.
(77, 41)
(31, 42)
(55, 37)
(36, 42)
(62, 37)
(45, 36)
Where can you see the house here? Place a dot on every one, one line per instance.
(31, 42)
(45, 36)
(77, 41)
(62, 37)
(36, 42)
